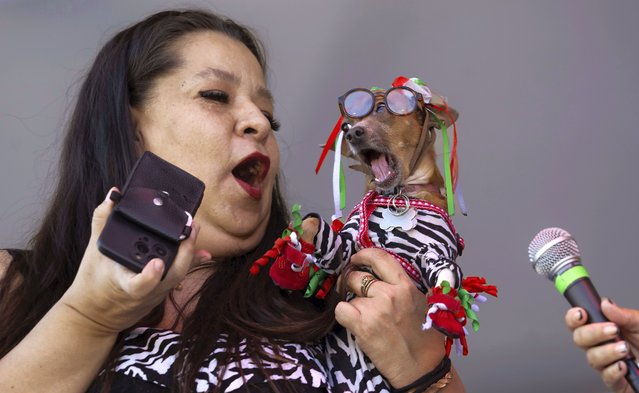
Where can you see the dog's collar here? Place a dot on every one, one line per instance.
(407, 189)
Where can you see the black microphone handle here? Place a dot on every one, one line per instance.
(583, 294)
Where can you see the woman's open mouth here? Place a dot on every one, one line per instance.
(250, 173)
(383, 167)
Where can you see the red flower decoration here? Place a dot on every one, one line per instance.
(290, 269)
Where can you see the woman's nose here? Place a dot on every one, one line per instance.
(253, 122)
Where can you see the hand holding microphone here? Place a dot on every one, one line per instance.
(607, 358)
(598, 327)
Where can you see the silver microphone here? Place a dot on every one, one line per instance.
(555, 255)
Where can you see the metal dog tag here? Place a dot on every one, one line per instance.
(405, 221)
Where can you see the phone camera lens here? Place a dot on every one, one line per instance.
(159, 250)
(141, 247)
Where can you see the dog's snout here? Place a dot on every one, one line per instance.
(355, 134)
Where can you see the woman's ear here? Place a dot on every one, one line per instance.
(138, 136)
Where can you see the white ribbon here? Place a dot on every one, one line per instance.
(337, 164)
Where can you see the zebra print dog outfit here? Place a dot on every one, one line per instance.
(426, 249)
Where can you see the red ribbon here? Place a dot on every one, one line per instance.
(477, 285)
(329, 143)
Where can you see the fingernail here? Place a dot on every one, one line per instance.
(610, 301)
(619, 366)
(158, 265)
(108, 195)
(580, 315)
(621, 348)
(611, 330)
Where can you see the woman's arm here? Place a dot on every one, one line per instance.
(66, 349)
(63, 353)
(387, 323)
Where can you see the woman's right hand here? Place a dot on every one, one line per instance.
(606, 358)
(110, 297)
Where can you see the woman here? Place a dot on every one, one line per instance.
(190, 87)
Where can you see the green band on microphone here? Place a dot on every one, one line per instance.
(565, 279)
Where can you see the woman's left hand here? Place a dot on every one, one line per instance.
(387, 322)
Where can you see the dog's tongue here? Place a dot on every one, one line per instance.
(380, 168)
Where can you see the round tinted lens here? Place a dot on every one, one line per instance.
(401, 101)
(358, 103)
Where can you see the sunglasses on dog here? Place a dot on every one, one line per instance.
(358, 103)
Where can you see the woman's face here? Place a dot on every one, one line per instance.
(211, 117)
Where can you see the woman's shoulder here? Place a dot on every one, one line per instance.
(5, 261)
(9, 256)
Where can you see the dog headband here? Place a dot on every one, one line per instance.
(451, 169)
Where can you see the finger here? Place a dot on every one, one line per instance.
(385, 266)
(355, 283)
(185, 256)
(144, 282)
(594, 334)
(575, 317)
(625, 318)
(348, 316)
(604, 355)
(613, 376)
(203, 256)
(101, 213)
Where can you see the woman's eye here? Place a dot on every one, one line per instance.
(275, 124)
(215, 95)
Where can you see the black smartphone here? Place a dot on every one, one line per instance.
(152, 215)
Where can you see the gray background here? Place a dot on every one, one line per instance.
(548, 97)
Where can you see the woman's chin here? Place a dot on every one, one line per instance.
(230, 239)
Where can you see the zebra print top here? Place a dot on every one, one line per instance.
(146, 364)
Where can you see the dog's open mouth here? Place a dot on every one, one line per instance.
(383, 167)
(251, 172)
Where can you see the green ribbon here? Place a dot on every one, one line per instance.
(296, 224)
(447, 177)
(317, 279)
(467, 301)
(297, 218)
(418, 81)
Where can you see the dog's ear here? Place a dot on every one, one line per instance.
(444, 112)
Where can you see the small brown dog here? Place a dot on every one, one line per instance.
(391, 133)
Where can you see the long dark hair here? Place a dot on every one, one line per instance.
(98, 152)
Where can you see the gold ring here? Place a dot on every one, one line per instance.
(367, 281)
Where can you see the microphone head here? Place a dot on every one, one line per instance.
(552, 249)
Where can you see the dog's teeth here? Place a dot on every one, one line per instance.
(376, 179)
(389, 173)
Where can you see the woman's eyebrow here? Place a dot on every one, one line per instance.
(210, 72)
